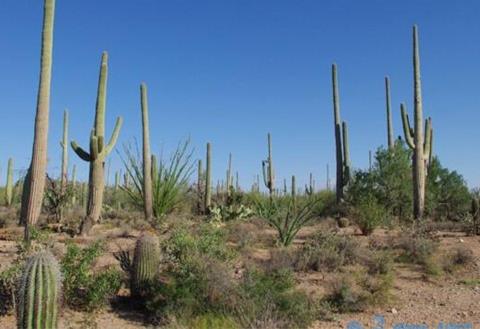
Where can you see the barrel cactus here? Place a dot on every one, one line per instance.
(39, 293)
(146, 259)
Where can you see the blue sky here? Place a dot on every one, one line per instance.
(230, 71)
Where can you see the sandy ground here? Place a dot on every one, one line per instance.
(417, 299)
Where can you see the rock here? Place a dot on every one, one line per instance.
(394, 311)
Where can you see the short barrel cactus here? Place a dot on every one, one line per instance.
(146, 260)
(39, 295)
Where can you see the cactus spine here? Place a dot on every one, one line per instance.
(34, 184)
(39, 293)
(420, 144)
(208, 178)
(390, 139)
(146, 260)
(64, 146)
(341, 146)
(267, 169)
(147, 164)
(9, 185)
(98, 152)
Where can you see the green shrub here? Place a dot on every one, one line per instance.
(8, 280)
(368, 213)
(458, 258)
(379, 262)
(85, 289)
(326, 252)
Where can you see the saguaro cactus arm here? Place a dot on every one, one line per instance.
(80, 152)
(407, 130)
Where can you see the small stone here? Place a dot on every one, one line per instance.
(394, 311)
(460, 240)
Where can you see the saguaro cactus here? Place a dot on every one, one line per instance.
(147, 164)
(9, 185)
(341, 146)
(64, 146)
(390, 139)
(34, 184)
(98, 152)
(267, 169)
(40, 288)
(146, 259)
(199, 186)
(74, 184)
(420, 144)
(229, 177)
(208, 178)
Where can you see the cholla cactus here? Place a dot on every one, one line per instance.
(146, 259)
(39, 295)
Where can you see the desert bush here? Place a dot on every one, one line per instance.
(379, 262)
(290, 219)
(56, 198)
(368, 214)
(85, 289)
(447, 196)
(169, 178)
(419, 248)
(458, 258)
(326, 251)
(8, 286)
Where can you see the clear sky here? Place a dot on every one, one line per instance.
(230, 71)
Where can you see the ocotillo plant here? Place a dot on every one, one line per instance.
(267, 169)
(341, 146)
(34, 183)
(39, 294)
(390, 139)
(146, 259)
(208, 180)
(147, 165)
(98, 152)
(64, 146)
(420, 144)
(9, 184)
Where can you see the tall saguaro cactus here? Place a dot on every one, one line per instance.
(267, 169)
(229, 177)
(34, 185)
(208, 179)
(390, 139)
(74, 184)
(341, 144)
(147, 164)
(64, 146)
(420, 144)
(39, 295)
(98, 152)
(9, 185)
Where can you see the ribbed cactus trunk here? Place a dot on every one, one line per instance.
(420, 144)
(147, 164)
(9, 184)
(229, 175)
(34, 185)
(267, 169)
(208, 180)
(74, 185)
(39, 294)
(342, 150)
(146, 260)
(64, 145)
(390, 139)
(199, 186)
(98, 153)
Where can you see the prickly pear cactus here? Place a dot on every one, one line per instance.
(39, 294)
(146, 259)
